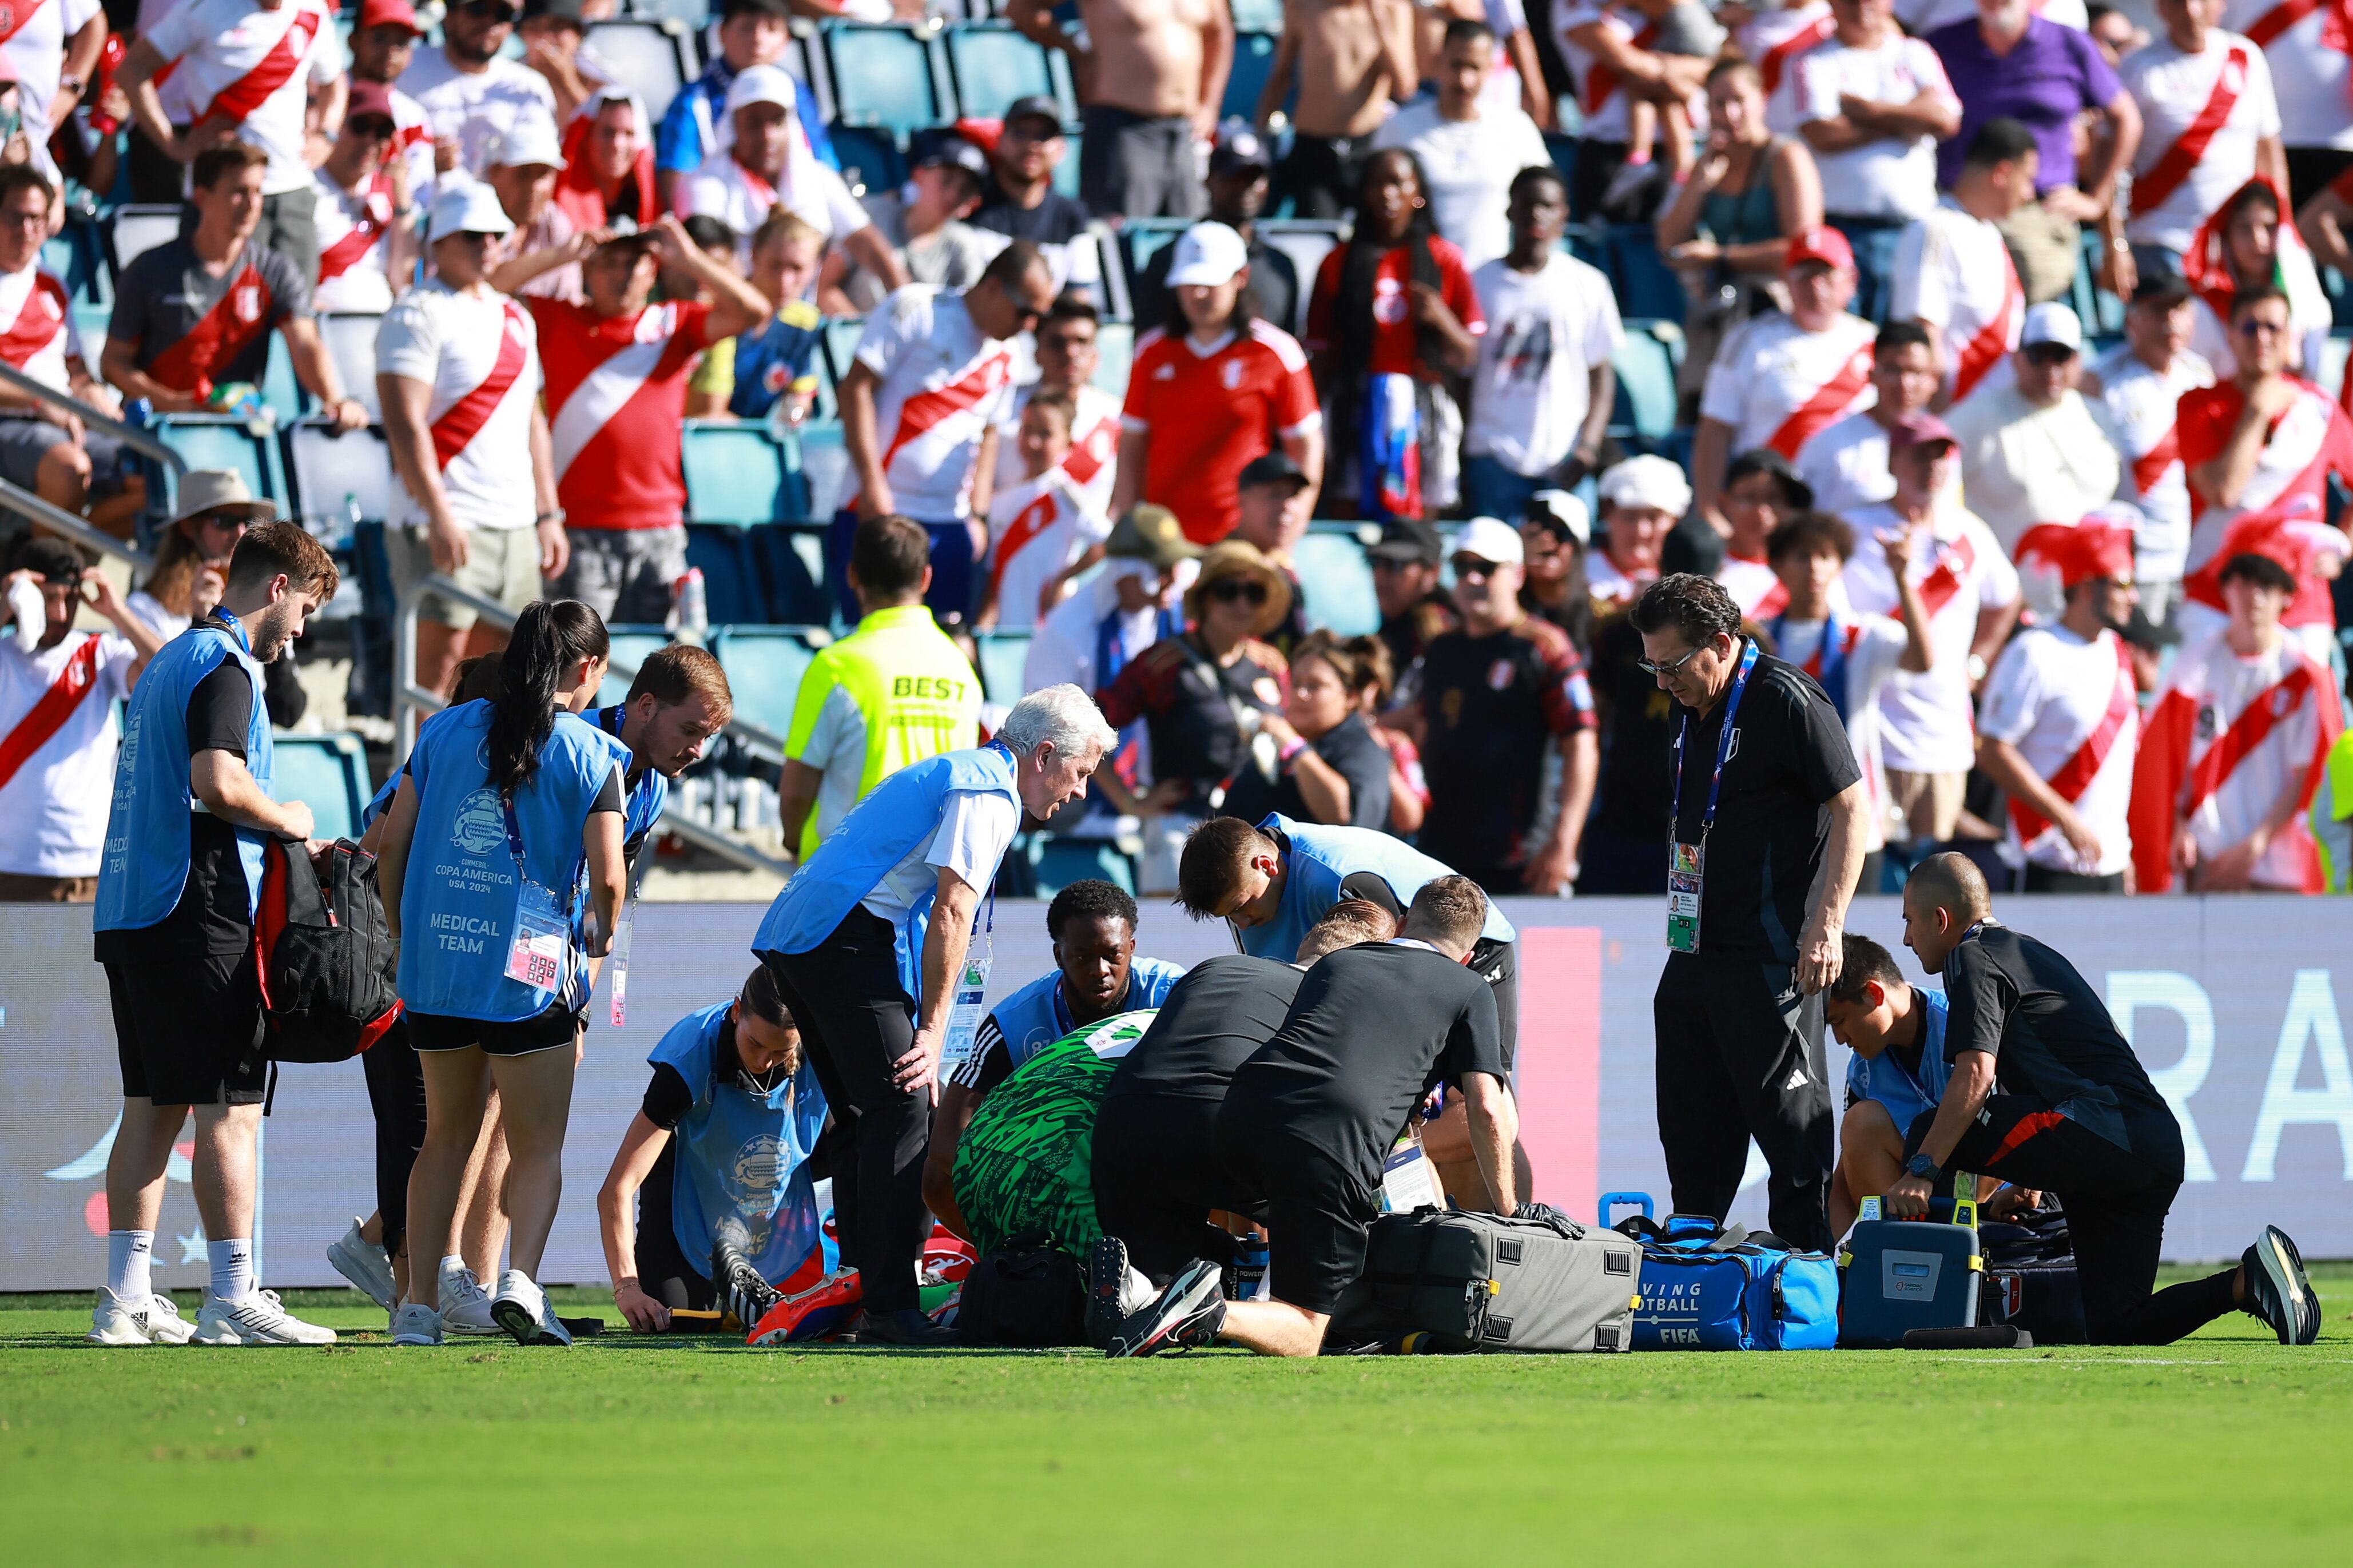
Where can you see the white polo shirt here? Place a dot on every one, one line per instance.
(1883, 178)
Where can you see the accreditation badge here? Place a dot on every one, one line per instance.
(542, 937)
(964, 1014)
(1686, 863)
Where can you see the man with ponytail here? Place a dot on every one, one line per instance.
(509, 809)
(868, 946)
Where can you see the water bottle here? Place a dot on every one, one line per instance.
(1249, 1267)
(693, 605)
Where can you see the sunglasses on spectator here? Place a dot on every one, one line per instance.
(2049, 354)
(1473, 568)
(1673, 667)
(1028, 314)
(489, 11)
(1238, 589)
(2255, 326)
(370, 127)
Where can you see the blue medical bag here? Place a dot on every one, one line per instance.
(1897, 1275)
(1712, 1288)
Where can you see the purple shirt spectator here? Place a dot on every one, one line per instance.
(2049, 75)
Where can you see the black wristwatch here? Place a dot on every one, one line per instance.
(1922, 1166)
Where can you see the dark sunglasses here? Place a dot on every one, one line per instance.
(2255, 326)
(1472, 568)
(1673, 666)
(491, 11)
(2050, 354)
(1022, 312)
(1230, 589)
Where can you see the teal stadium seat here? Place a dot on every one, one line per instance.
(645, 56)
(1066, 173)
(329, 774)
(1645, 363)
(1058, 862)
(764, 666)
(1003, 655)
(630, 647)
(871, 161)
(730, 571)
(217, 441)
(333, 474)
(734, 472)
(281, 392)
(140, 230)
(885, 76)
(1337, 581)
(350, 340)
(1114, 352)
(994, 66)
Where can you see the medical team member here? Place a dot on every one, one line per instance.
(719, 1148)
(868, 945)
(512, 813)
(1096, 975)
(678, 702)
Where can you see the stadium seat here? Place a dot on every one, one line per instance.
(791, 560)
(91, 320)
(326, 773)
(138, 230)
(734, 473)
(1002, 656)
(1142, 238)
(333, 474)
(1645, 363)
(764, 666)
(1066, 173)
(1307, 241)
(1058, 862)
(350, 337)
(822, 464)
(730, 571)
(870, 161)
(645, 56)
(1337, 581)
(1114, 351)
(841, 342)
(1253, 63)
(630, 647)
(218, 441)
(1645, 285)
(884, 76)
(994, 66)
(695, 13)
(1258, 15)
(281, 392)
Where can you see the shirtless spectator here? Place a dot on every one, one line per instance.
(1150, 75)
(1351, 59)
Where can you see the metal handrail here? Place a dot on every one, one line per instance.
(27, 504)
(409, 698)
(130, 435)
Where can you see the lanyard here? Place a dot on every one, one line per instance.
(1723, 753)
(522, 871)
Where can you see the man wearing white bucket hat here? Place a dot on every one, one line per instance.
(1641, 501)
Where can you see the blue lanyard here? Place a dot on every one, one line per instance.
(514, 847)
(236, 626)
(1722, 752)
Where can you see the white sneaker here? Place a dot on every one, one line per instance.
(465, 1305)
(158, 1322)
(365, 1264)
(522, 1309)
(256, 1319)
(415, 1325)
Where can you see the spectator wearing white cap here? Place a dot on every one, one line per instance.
(1470, 150)
(923, 221)
(363, 214)
(524, 169)
(458, 376)
(1782, 378)
(2033, 448)
(770, 164)
(1641, 501)
(470, 92)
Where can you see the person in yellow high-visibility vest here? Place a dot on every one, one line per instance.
(2332, 816)
(892, 692)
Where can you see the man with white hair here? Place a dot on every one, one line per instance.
(770, 161)
(868, 945)
(2032, 450)
(1641, 499)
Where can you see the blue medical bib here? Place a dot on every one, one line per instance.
(1037, 1015)
(741, 1156)
(1320, 858)
(147, 843)
(458, 907)
(1884, 1080)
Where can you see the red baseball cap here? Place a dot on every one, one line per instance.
(368, 97)
(1822, 243)
(389, 14)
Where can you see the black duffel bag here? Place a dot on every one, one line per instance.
(1027, 1294)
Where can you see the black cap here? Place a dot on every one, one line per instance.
(51, 558)
(1273, 468)
(1239, 147)
(776, 8)
(2160, 284)
(1408, 538)
(572, 11)
(938, 146)
(1036, 106)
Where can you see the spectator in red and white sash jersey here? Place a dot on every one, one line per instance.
(608, 161)
(1067, 359)
(2248, 243)
(1040, 527)
(57, 725)
(1872, 104)
(1850, 656)
(1846, 465)
(196, 312)
(2138, 385)
(2032, 451)
(2061, 721)
(1952, 271)
(2210, 124)
(382, 44)
(458, 376)
(365, 237)
(470, 90)
(1641, 501)
(1607, 51)
(2305, 43)
(51, 47)
(770, 161)
(251, 70)
(43, 448)
(1780, 379)
(2259, 449)
(1971, 593)
(2234, 751)
(616, 371)
(524, 168)
(1775, 36)
(1761, 491)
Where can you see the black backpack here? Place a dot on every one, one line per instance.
(1027, 1294)
(325, 953)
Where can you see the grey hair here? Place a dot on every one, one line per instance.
(1063, 715)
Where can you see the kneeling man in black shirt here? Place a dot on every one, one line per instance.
(1312, 1114)
(2046, 1094)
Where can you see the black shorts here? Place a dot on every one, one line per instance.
(1317, 1211)
(1157, 1176)
(188, 1027)
(559, 1026)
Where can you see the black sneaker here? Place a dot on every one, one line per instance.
(742, 1292)
(1186, 1316)
(2277, 1290)
(908, 1326)
(1109, 1298)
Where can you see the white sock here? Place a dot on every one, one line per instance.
(232, 1262)
(129, 1254)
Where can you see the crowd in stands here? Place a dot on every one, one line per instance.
(2005, 393)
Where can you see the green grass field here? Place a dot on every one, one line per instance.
(2225, 1448)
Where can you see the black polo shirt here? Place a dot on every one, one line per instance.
(1790, 757)
(1212, 1022)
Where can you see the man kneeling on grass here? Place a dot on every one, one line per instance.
(717, 1163)
(1313, 1113)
